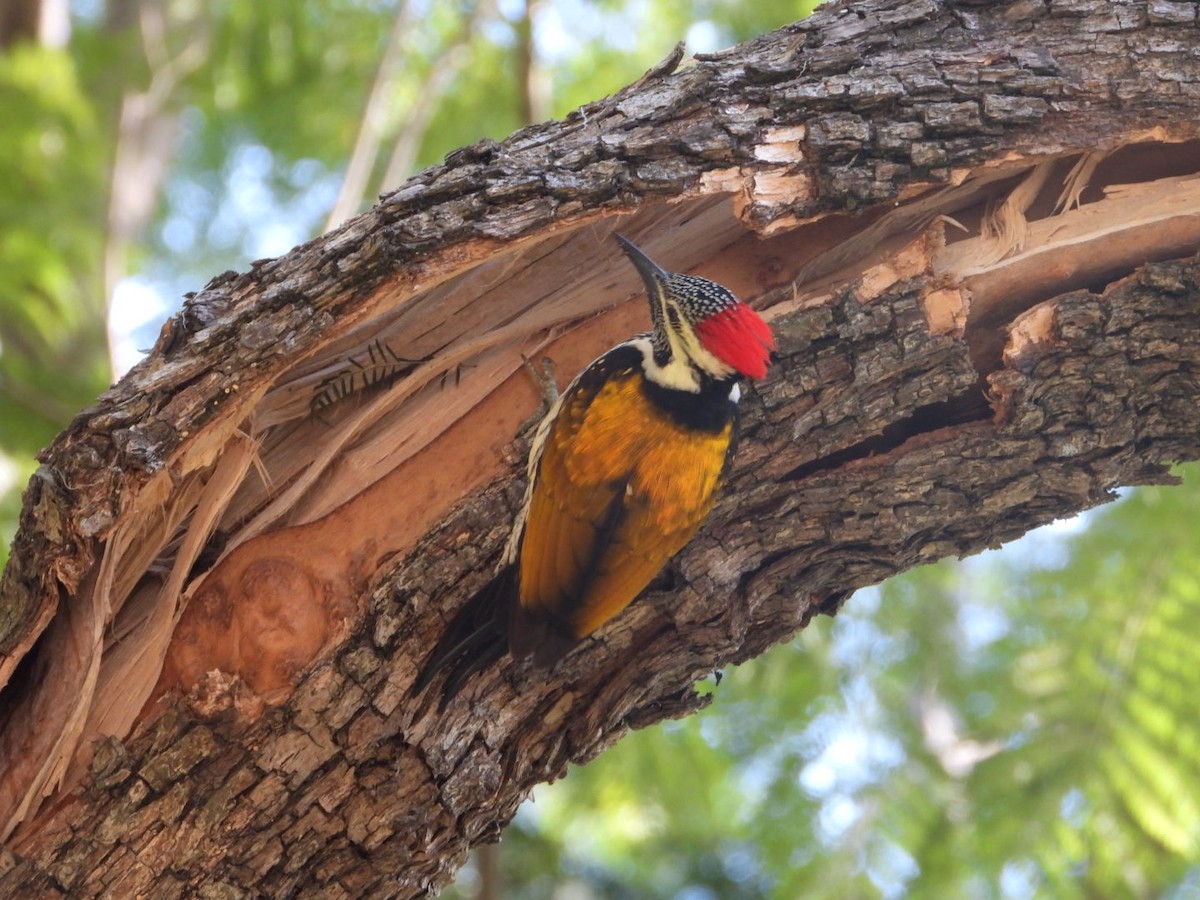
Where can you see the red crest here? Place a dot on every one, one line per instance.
(738, 337)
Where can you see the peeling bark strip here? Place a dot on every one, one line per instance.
(960, 219)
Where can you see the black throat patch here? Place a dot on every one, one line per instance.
(708, 410)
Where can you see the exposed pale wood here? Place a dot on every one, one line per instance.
(943, 385)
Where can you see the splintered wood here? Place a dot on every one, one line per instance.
(976, 243)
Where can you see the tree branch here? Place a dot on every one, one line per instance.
(237, 561)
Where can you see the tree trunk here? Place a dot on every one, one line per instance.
(973, 227)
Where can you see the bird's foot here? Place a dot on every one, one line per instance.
(544, 378)
(542, 373)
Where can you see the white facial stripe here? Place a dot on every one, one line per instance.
(678, 374)
(701, 356)
(675, 340)
(683, 342)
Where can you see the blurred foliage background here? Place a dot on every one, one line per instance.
(1019, 725)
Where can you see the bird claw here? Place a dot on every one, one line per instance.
(543, 378)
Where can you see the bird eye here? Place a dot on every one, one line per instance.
(673, 318)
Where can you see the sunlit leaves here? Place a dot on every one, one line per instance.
(1025, 722)
(51, 324)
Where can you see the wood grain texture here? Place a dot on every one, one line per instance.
(933, 397)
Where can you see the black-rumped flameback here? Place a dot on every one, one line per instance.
(622, 472)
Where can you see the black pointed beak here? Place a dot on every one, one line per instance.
(652, 273)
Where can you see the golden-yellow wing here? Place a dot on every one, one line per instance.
(621, 486)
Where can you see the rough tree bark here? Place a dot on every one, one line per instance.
(974, 228)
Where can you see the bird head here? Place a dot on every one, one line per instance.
(702, 321)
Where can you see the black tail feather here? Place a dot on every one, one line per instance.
(476, 639)
(446, 653)
(539, 637)
(469, 664)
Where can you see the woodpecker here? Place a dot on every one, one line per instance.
(622, 471)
